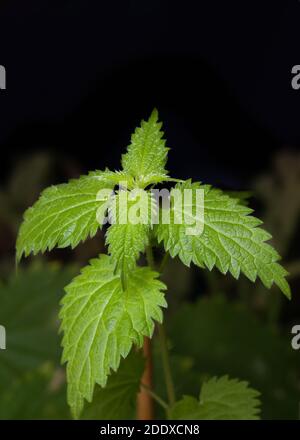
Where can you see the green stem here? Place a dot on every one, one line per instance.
(163, 339)
(166, 365)
(156, 397)
(163, 262)
(150, 258)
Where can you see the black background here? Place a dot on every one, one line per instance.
(81, 74)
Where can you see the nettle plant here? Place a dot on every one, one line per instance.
(114, 303)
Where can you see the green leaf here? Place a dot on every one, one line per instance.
(117, 401)
(128, 235)
(231, 239)
(153, 179)
(220, 399)
(125, 243)
(242, 196)
(147, 153)
(120, 178)
(101, 322)
(65, 214)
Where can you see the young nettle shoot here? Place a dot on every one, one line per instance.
(114, 303)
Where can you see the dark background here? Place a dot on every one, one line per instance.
(81, 74)
(80, 77)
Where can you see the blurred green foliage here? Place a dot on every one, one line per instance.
(242, 331)
(30, 365)
(118, 399)
(216, 337)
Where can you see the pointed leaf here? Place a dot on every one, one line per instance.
(64, 215)
(220, 399)
(147, 153)
(230, 240)
(128, 235)
(101, 322)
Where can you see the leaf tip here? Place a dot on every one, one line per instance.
(154, 115)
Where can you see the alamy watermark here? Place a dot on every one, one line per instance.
(2, 78)
(295, 342)
(296, 78)
(2, 338)
(178, 206)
